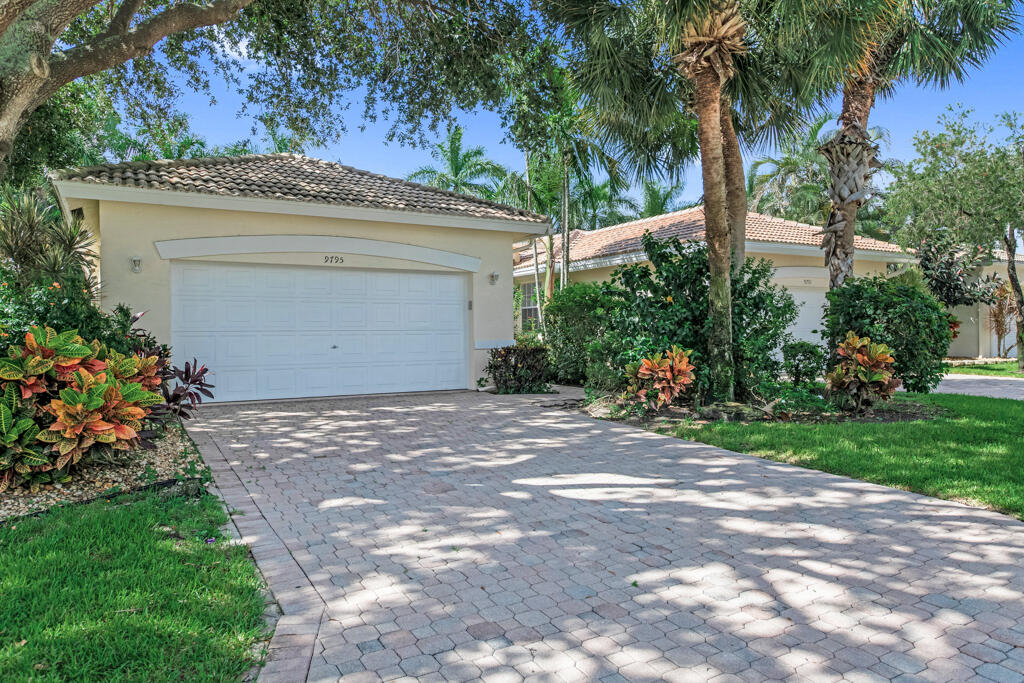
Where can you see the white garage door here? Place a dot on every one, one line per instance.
(812, 305)
(289, 331)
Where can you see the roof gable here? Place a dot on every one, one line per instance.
(292, 177)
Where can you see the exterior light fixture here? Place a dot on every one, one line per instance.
(493, 277)
(135, 264)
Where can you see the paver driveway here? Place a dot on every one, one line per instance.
(979, 385)
(460, 535)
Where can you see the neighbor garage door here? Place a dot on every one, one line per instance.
(808, 320)
(286, 331)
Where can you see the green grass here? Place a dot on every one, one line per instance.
(127, 590)
(1005, 369)
(973, 451)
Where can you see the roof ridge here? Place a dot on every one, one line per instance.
(647, 218)
(143, 164)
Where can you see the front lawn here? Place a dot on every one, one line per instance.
(972, 452)
(1005, 369)
(141, 588)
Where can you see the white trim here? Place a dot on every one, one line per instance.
(262, 244)
(801, 272)
(484, 344)
(197, 200)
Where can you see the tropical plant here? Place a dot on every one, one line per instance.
(902, 316)
(37, 242)
(666, 303)
(793, 182)
(600, 204)
(1001, 315)
(79, 398)
(576, 316)
(904, 42)
(463, 170)
(519, 369)
(657, 381)
(863, 373)
(658, 198)
(951, 271)
(803, 361)
(191, 385)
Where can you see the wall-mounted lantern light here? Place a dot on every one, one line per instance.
(135, 264)
(493, 277)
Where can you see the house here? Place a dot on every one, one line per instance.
(294, 277)
(793, 247)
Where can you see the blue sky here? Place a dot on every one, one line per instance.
(989, 91)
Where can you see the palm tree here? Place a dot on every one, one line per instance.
(463, 170)
(791, 184)
(600, 204)
(659, 198)
(936, 44)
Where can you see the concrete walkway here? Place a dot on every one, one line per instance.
(980, 385)
(464, 536)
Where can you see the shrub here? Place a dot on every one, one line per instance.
(67, 306)
(519, 369)
(668, 304)
(803, 361)
(64, 399)
(575, 317)
(863, 373)
(657, 381)
(910, 321)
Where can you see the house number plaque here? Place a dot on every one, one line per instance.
(329, 258)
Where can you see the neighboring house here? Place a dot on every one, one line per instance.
(295, 277)
(794, 249)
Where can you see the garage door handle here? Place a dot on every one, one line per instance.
(335, 346)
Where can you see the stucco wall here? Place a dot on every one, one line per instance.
(130, 230)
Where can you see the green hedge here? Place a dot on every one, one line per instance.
(574, 318)
(911, 321)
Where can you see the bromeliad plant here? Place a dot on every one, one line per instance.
(657, 381)
(863, 373)
(66, 398)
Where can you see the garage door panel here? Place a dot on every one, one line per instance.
(285, 331)
(277, 314)
(349, 315)
(385, 315)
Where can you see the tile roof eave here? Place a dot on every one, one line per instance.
(527, 226)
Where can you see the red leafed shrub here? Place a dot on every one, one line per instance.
(657, 381)
(862, 374)
(62, 399)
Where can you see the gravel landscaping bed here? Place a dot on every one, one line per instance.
(174, 455)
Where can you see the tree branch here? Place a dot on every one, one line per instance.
(123, 17)
(107, 51)
(11, 11)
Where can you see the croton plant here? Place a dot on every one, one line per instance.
(61, 398)
(863, 373)
(657, 381)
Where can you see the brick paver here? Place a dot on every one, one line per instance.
(979, 385)
(460, 536)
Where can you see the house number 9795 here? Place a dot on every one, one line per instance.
(334, 259)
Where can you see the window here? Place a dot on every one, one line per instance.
(529, 311)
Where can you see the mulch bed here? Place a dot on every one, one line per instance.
(892, 411)
(175, 456)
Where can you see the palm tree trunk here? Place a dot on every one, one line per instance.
(1010, 243)
(735, 187)
(852, 158)
(708, 100)
(537, 293)
(549, 270)
(564, 279)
